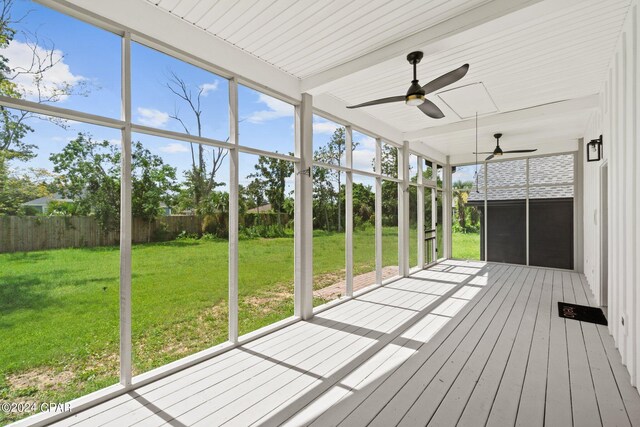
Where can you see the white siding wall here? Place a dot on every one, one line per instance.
(617, 120)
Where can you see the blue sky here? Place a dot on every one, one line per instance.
(88, 57)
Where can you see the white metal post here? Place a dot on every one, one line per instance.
(303, 228)
(233, 211)
(447, 188)
(526, 212)
(578, 203)
(403, 209)
(125, 219)
(378, 211)
(348, 195)
(434, 220)
(486, 212)
(420, 202)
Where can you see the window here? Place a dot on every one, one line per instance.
(364, 239)
(465, 213)
(364, 152)
(180, 213)
(328, 235)
(329, 142)
(266, 246)
(52, 65)
(537, 191)
(167, 93)
(390, 260)
(265, 122)
(413, 225)
(413, 168)
(59, 259)
(389, 160)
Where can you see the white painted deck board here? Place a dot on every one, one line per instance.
(460, 344)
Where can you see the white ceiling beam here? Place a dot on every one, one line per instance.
(526, 114)
(470, 25)
(336, 110)
(427, 151)
(163, 31)
(551, 146)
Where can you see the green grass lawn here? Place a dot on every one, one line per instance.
(466, 246)
(60, 308)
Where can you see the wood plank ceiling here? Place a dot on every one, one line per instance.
(562, 55)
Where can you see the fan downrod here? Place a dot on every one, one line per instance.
(414, 57)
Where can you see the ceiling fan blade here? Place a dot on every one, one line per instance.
(489, 158)
(520, 151)
(431, 109)
(379, 101)
(446, 79)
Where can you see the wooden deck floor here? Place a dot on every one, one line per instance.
(467, 344)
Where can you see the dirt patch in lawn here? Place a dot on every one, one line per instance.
(265, 303)
(43, 378)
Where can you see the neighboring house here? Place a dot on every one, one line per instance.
(261, 209)
(41, 204)
(166, 210)
(541, 207)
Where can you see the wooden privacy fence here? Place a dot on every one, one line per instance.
(23, 234)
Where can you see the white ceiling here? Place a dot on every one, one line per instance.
(561, 54)
(304, 37)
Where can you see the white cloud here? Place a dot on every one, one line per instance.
(152, 117)
(363, 159)
(53, 80)
(275, 110)
(174, 147)
(366, 143)
(208, 87)
(114, 141)
(323, 126)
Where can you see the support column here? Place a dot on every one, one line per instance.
(303, 228)
(486, 212)
(378, 212)
(348, 212)
(233, 211)
(578, 214)
(447, 195)
(125, 219)
(420, 202)
(403, 209)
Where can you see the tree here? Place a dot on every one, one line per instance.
(43, 58)
(389, 162)
(364, 204)
(17, 189)
(467, 217)
(332, 153)
(205, 162)
(255, 194)
(271, 174)
(323, 197)
(153, 183)
(90, 175)
(14, 189)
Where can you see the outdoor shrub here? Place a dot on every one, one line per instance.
(161, 232)
(186, 236)
(216, 224)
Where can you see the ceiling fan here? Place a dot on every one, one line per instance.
(416, 94)
(498, 151)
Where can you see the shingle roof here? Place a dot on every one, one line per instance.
(542, 170)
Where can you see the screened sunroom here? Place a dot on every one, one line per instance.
(298, 212)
